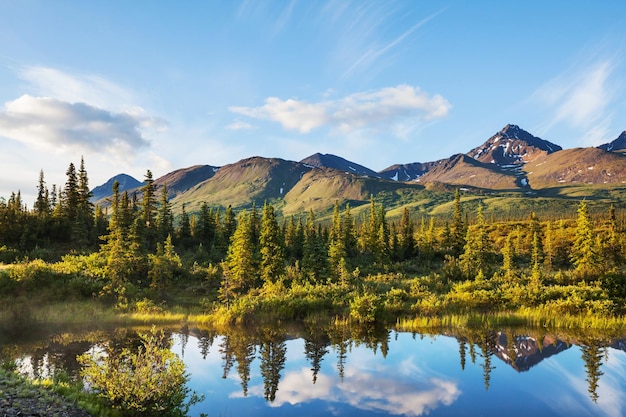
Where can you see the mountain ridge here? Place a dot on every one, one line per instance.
(512, 160)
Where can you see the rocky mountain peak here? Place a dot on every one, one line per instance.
(618, 144)
(512, 146)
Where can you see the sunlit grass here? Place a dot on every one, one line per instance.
(538, 317)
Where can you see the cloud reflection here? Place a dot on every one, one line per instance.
(366, 391)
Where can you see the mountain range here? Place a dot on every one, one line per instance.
(511, 161)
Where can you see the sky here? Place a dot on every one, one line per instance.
(141, 85)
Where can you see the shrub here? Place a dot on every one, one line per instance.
(365, 308)
(151, 381)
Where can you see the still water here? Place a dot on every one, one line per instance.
(319, 371)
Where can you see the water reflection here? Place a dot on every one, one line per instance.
(319, 369)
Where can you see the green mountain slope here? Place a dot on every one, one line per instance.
(240, 184)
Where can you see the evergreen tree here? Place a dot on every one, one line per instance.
(584, 253)
(336, 244)
(508, 257)
(165, 219)
(407, 238)
(272, 248)
(42, 205)
(149, 210)
(70, 195)
(83, 223)
(294, 239)
(349, 233)
(613, 246)
(241, 265)
(206, 226)
(315, 255)
(184, 231)
(474, 260)
(459, 226)
(383, 253)
(230, 223)
(535, 261)
(548, 246)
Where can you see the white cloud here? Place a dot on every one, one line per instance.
(365, 110)
(365, 391)
(52, 124)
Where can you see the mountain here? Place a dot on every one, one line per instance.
(408, 172)
(320, 188)
(319, 160)
(250, 180)
(126, 182)
(576, 166)
(463, 171)
(512, 146)
(512, 160)
(617, 145)
(183, 179)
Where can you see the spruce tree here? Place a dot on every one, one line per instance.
(42, 206)
(70, 196)
(148, 210)
(184, 230)
(407, 238)
(336, 245)
(474, 260)
(240, 274)
(165, 219)
(315, 254)
(508, 257)
(584, 253)
(459, 226)
(271, 246)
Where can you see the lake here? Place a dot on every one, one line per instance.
(316, 370)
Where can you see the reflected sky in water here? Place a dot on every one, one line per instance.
(419, 376)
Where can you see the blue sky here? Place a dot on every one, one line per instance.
(161, 85)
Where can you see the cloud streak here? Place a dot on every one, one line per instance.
(373, 54)
(580, 100)
(365, 110)
(75, 88)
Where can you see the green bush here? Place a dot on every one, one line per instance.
(365, 308)
(151, 381)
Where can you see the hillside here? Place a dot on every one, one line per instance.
(250, 180)
(320, 188)
(463, 171)
(183, 179)
(577, 166)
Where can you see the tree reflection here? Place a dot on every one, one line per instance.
(592, 356)
(462, 351)
(273, 353)
(487, 346)
(316, 343)
(244, 350)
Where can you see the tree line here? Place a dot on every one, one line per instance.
(142, 244)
